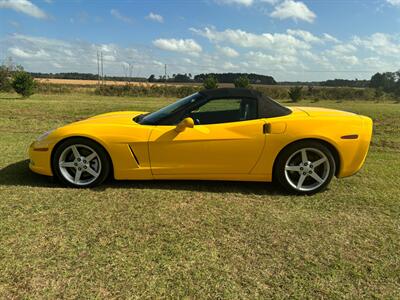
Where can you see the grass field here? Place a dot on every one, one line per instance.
(178, 239)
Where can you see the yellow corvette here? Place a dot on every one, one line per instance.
(221, 134)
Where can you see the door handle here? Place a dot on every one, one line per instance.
(267, 128)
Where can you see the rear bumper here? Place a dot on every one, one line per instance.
(354, 160)
(39, 159)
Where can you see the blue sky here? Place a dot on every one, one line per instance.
(288, 39)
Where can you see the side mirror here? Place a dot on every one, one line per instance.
(185, 123)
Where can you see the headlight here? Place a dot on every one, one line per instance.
(44, 135)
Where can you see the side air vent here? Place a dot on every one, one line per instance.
(134, 155)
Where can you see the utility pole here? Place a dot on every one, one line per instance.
(98, 68)
(130, 72)
(102, 70)
(165, 73)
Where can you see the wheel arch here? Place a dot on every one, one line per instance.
(332, 148)
(86, 138)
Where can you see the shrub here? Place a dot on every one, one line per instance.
(242, 82)
(295, 93)
(23, 84)
(210, 83)
(378, 93)
(147, 91)
(5, 79)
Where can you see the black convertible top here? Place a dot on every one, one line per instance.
(231, 92)
(267, 108)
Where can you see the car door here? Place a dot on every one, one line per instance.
(227, 139)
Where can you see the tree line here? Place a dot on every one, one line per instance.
(220, 77)
(388, 82)
(85, 76)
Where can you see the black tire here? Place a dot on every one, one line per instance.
(287, 178)
(102, 159)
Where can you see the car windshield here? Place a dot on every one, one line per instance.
(166, 111)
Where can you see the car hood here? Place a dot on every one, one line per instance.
(119, 117)
(323, 112)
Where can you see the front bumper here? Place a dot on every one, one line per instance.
(39, 159)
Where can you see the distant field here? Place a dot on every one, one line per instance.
(87, 82)
(111, 82)
(193, 239)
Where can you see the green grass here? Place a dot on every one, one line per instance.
(178, 239)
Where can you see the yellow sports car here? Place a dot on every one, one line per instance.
(220, 134)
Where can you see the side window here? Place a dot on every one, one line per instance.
(225, 110)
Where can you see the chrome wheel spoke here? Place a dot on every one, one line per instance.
(319, 161)
(91, 172)
(301, 181)
(316, 177)
(293, 168)
(75, 151)
(67, 164)
(304, 158)
(91, 156)
(77, 176)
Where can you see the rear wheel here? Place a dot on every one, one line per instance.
(80, 162)
(306, 167)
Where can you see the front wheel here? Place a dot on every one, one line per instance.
(80, 162)
(306, 167)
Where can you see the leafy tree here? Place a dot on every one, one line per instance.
(210, 83)
(388, 82)
(152, 78)
(181, 78)
(385, 81)
(7, 69)
(23, 83)
(296, 93)
(5, 79)
(231, 77)
(242, 82)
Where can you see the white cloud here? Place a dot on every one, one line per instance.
(228, 51)
(116, 14)
(304, 35)
(344, 48)
(19, 52)
(394, 2)
(349, 59)
(329, 38)
(272, 41)
(187, 46)
(24, 6)
(261, 60)
(229, 66)
(24, 54)
(155, 17)
(284, 56)
(57, 65)
(49, 55)
(39, 41)
(270, 1)
(290, 9)
(239, 2)
(381, 43)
